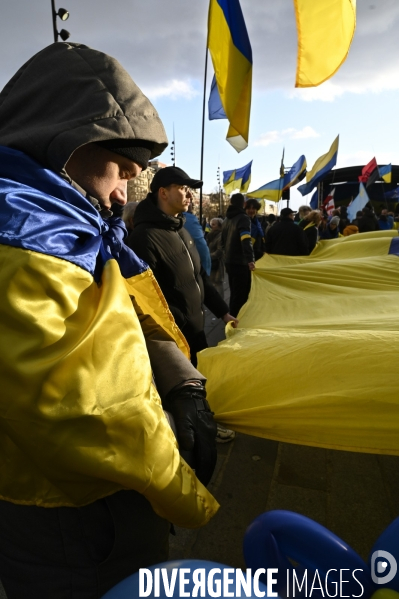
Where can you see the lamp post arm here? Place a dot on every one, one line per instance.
(54, 15)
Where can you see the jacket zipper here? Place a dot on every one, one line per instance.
(192, 265)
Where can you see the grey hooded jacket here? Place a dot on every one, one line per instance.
(89, 98)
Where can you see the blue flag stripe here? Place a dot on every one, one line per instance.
(235, 20)
(215, 108)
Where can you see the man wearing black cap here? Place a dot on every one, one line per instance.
(160, 239)
(285, 237)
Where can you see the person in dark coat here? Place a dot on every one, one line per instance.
(331, 229)
(359, 215)
(239, 253)
(160, 239)
(286, 238)
(368, 222)
(310, 226)
(252, 207)
(343, 218)
(214, 241)
(385, 222)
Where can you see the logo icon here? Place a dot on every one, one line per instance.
(383, 563)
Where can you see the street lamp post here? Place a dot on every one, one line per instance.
(173, 148)
(220, 190)
(63, 14)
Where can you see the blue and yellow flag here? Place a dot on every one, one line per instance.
(73, 358)
(325, 32)
(386, 173)
(231, 53)
(239, 178)
(321, 167)
(273, 191)
(294, 174)
(314, 202)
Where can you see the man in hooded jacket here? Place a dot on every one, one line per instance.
(91, 474)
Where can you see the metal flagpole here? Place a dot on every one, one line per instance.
(203, 131)
(281, 175)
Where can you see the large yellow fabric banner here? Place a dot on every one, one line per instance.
(314, 359)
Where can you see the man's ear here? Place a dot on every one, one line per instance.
(162, 193)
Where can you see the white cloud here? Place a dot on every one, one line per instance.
(268, 138)
(174, 90)
(326, 92)
(363, 157)
(304, 133)
(380, 81)
(276, 136)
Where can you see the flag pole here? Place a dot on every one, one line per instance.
(281, 174)
(203, 130)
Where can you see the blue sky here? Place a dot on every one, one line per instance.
(162, 45)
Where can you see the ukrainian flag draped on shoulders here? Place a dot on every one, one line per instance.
(231, 53)
(79, 416)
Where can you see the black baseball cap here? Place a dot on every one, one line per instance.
(286, 212)
(173, 175)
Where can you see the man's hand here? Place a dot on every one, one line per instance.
(251, 265)
(195, 428)
(229, 318)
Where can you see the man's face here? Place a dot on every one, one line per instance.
(174, 199)
(384, 212)
(102, 174)
(251, 211)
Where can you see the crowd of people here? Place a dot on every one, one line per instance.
(276, 235)
(237, 241)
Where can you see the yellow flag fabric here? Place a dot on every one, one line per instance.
(325, 32)
(314, 359)
(79, 416)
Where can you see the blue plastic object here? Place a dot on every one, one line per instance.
(277, 537)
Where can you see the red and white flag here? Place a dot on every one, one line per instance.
(328, 203)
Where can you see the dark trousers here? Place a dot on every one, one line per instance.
(197, 342)
(78, 553)
(240, 285)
